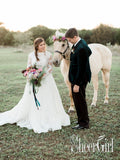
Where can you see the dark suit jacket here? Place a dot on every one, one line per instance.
(79, 63)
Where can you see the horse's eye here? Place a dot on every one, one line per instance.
(63, 45)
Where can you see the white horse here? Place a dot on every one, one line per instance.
(100, 59)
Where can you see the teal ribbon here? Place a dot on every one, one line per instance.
(35, 98)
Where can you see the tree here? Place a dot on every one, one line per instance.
(103, 34)
(117, 36)
(41, 31)
(1, 23)
(6, 37)
(9, 38)
(3, 32)
(22, 38)
(85, 34)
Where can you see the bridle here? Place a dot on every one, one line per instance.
(63, 53)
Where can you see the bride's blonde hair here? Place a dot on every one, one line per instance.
(37, 41)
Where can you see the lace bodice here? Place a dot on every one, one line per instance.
(45, 60)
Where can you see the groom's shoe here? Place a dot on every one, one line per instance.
(80, 127)
(76, 122)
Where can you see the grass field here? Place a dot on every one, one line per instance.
(22, 144)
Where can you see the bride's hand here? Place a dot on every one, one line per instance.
(50, 70)
(76, 88)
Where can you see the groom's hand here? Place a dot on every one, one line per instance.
(76, 88)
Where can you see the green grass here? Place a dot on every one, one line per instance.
(22, 144)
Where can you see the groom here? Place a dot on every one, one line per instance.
(79, 76)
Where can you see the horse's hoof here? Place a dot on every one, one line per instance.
(105, 101)
(71, 110)
(93, 104)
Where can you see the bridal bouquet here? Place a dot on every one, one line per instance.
(34, 76)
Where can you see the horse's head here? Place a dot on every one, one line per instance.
(61, 49)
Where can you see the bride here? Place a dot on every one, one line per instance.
(51, 114)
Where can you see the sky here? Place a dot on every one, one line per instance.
(21, 15)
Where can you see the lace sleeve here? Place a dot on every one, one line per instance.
(50, 64)
(29, 62)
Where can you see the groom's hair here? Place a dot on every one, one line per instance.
(71, 33)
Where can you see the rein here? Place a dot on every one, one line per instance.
(63, 53)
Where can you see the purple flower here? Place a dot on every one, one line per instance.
(63, 38)
(54, 38)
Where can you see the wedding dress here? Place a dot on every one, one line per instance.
(51, 114)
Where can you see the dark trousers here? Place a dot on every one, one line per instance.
(81, 105)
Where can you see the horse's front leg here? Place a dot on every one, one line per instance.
(72, 108)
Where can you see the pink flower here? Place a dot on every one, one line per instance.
(54, 38)
(36, 74)
(33, 70)
(44, 74)
(63, 38)
(40, 69)
(25, 73)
